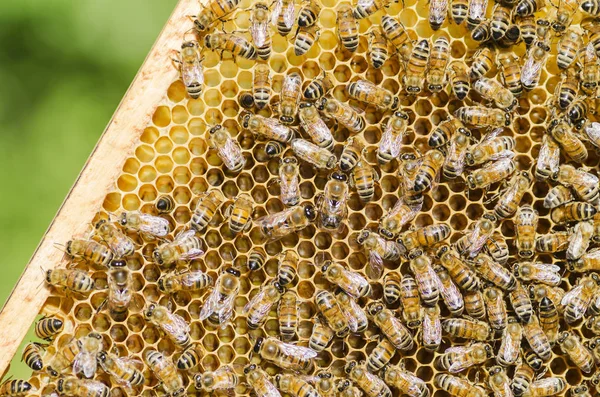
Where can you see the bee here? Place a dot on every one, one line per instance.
(260, 381)
(191, 280)
(564, 15)
(501, 17)
(70, 279)
(347, 27)
(429, 170)
(165, 204)
(526, 225)
(510, 344)
(521, 303)
(91, 251)
(81, 353)
(526, 8)
(285, 355)
(48, 327)
(391, 140)
(329, 307)
(206, 208)
(492, 147)
(240, 214)
(391, 224)
(122, 369)
(437, 13)
(528, 28)
(392, 287)
(585, 185)
(390, 326)
(449, 292)
(269, 128)
(549, 319)
(476, 13)
(590, 71)
(354, 314)
(318, 87)
(537, 339)
(482, 33)
(289, 181)
(534, 63)
(474, 304)
(72, 386)
(538, 272)
(381, 355)
(185, 246)
(495, 307)
(409, 167)
(445, 131)
(438, 62)
(287, 267)
(468, 329)
(365, 91)
(494, 272)
(173, 325)
(411, 303)
(378, 47)
(580, 391)
(321, 335)
(522, 378)
(455, 156)
(510, 72)
(558, 196)
(145, 224)
(579, 240)
(291, 91)
(483, 61)
(214, 10)
(295, 386)
(457, 386)
(426, 279)
(190, 357)
(287, 315)
(315, 127)
(274, 148)
(313, 154)
(119, 243)
(397, 34)
(363, 179)
(280, 224)
(571, 345)
(472, 242)
(548, 158)
(460, 272)
(32, 355)
(510, 198)
(343, 114)
(165, 372)
(283, 16)
(351, 282)
(497, 248)
(371, 384)
(309, 13)
(556, 294)
(261, 87)
(257, 309)
(259, 30)
(237, 45)
(499, 382)
(432, 328)
(568, 48)
(417, 67)
(578, 111)
(305, 39)
(378, 249)
(190, 67)
(223, 378)
(590, 261)
(491, 173)
(424, 237)
(579, 298)
(571, 212)
(483, 117)
(561, 132)
(459, 78)
(549, 386)
(120, 288)
(406, 382)
(492, 90)
(219, 305)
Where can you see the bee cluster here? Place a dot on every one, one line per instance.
(348, 199)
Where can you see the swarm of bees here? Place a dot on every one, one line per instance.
(487, 303)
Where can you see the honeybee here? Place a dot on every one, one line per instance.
(590, 71)
(190, 357)
(206, 208)
(569, 142)
(556, 294)
(82, 354)
(351, 282)
(510, 344)
(122, 369)
(406, 382)
(438, 62)
(579, 240)
(455, 156)
(172, 325)
(305, 39)
(280, 224)
(459, 78)
(571, 212)
(549, 319)
(213, 11)
(32, 355)
(492, 147)
(191, 280)
(476, 13)
(347, 27)
(223, 378)
(365, 91)
(445, 131)
(289, 181)
(91, 251)
(499, 382)
(528, 28)
(285, 355)
(185, 246)
(390, 326)
(237, 45)
(283, 16)
(483, 117)
(525, 226)
(537, 339)
(378, 47)
(521, 303)
(567, 48)
(424, 237)
(259, 30)
(378, 249)
(269, 128)
(549, 386)
(321, 335)
(590, 261)
(426, 279)
(351, 154)
(261, 87)
(313, 154)
(495, 307)
(354, 314)
(472, 242)
(315, 127)
(411, 303)
(494, 272)
(482, 33)
(429, 170)
(146, 224)
(493, 91)
(395, 32)
(381, 355)
(120, 288)
(491, 173)
(391, 224)
(510, 71)
(408, 171)
(558, 196)
(165, 372)
(522, 378)
(579, 298)
(460, 272)
(497, 248)
(391, 140)
(501, 17)
(329, 307)
(257, 309)
(318, 87)
(48, 327)
(343, 114)
(190, 67)
(363, 180)
(392, 287)
(287, 315)
(571, 345)
(291, 91)
(371, 384)
(534, 63)
(459, 387)
(77, 387)
(548, 158)
(295, 386)
(260, 381)
(450, 294)
(287, 267)
(70, 279)
(538, 272)
(309, 13)
(165, 204)
(483, 61)
(580, 391)
(510, 198)
(585, 185)
(416, 67)
(219, 305)
(468, 329)
(432, 328)
(240, 214)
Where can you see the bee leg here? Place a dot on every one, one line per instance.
(102, 305)
(248, 225)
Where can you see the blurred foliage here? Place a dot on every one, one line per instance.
(64, 66)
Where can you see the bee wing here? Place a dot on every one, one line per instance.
(573, 293)
(269, 389)
(491, 135)
(578, 243)
(154, 225)
(586, 179)
(547, 273)
(301, 352)
(432, 328)
(259, 33)
(592, 130)
(210, 305)
(130, 361)
(349, 311)
(184, 234)
(227, 308)
(177, 325)
(288, 14)
(390, 143)
(477, 239)
(192, 73)
(276, 11)
(531, 70)
(457, 350)
(230, 153)
(511, 346)
(255, 299)
(355, 279)
(502, 154)
(85, 362)
(375, 268)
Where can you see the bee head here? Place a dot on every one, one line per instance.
(362, 236)
(339, 177)
(69, 247)
(443, 249)
(309, 211)
(48, 276)
(415, 254)
(258, 345)
(434, 87)
(320, 104)
(207, 40)
(325, 266)
(563, 336)
(279, 287)
(161, 284)
(100, 223)
(215, 129)
(343, 384)
(246, 120)
(60, 385)
(101, 357)
(386, 233)
(305, 105)
(374, 308)
(117, 263)
(157, 257)
(286, 119)
(471, 182)
(395, 103)
(249, 368)
(349, 366)
(148, 314)
(507, 119)
(179, 392)
(233, 271)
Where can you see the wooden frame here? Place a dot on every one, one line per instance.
(95, 181)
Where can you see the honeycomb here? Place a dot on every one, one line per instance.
(173, 158)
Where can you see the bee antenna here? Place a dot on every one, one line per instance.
(60, 246)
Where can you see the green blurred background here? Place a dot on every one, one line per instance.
(64, 66)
